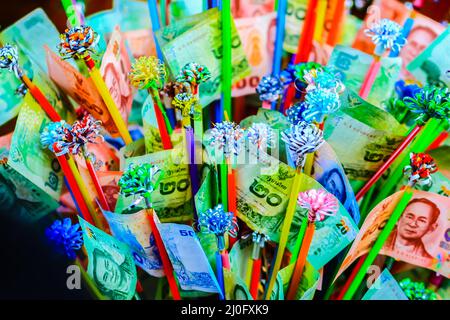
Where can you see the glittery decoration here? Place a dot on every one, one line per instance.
(319, 103)
(306, 68)
(66, 237)
(302, 138)
(185, 102)
(172, 88)
(319, 204)
(85, 131)
(261, 135)
(430, 102)
(147, 72)
(420, 169)
(140, 181)
(9, 59)
(77, 42)
(194, 74)
(322, 80)
(295, 113)
(269, 88)
(386, 34)
(218, 221)
(227, 136)
(57, 137)
(416, 290)
(259, 241)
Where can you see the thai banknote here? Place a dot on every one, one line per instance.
(110, 263)
(352, 65)
(295, 15)
(189, 262)
(256, 34)
(202, 43)
(432, 65)
(140, 42)
(263, 192)
(133, 15)
(240, 254)
(114, 69)
(385, 288)
(422, 34)
(308, 283)
(80, 89)
(27, 155)
(251, 8)
(134, 230)
(328, 171)
(172, 198)
(19, 197)
(207, 195)
(235, 287)
(420, 236)
(362, 136)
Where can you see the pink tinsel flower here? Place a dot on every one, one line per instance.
(319, 204)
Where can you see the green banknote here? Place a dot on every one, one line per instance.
(295, 15)
(385, 288)
(352, 66)
(263, 192)
(235, 287)
(308, 283)
(31, 57)
(362, 136)
(19, 197)
(432, 66)
(240, 255)
(172, 198)
(202, 43)
(27, 155)
(110, 265)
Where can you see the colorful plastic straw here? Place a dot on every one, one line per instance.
(226, 57)
(320, 20)
(74, 17)
(279, 38)
(156, 25)
(338, 21)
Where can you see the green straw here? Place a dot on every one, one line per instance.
(226, 57)
(155, 95)
(299, 241)
(423, 140)
(401, 206)
(223, 168)
(162, 12)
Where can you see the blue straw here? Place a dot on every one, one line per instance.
(156, 25)
(220, 279)
(74, 201)
(278, 51)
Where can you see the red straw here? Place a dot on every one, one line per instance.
(256, 277)
(352, 276)
(165, 138)
(167, 266)
(41, 99)
(101, 196)
(333, 35)
(75, 190)
(439, 140)
(388, 163)
(304, 46)
(371, 75)
(232, 200)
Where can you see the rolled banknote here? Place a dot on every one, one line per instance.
(134, 230)
(295, 14)
(188, 259)
(308, 283)
(251, 8)
(110, 263)
(420, 236)
(363, 136)
(352, 65)
(385, 288)
(432, 65)
(182, 43)
(263, 190)
(235, 287)
(28, 156)
(114, 69)
(256, 34)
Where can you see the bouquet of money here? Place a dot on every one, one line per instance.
(177, 150)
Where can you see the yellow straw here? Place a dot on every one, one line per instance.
(110, 104)
(84, 191)
(320, 20)
(248, 272)
(290, 211)
(309, 162)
